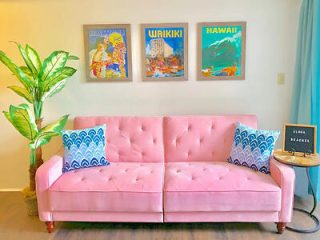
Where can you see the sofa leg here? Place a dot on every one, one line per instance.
(281, 226)
(50, 226)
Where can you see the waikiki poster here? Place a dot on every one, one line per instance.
(108, 53)
(221, 49)
(164, 51)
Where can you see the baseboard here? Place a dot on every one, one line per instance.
(10, 189)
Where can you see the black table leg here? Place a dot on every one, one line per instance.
(310, 214)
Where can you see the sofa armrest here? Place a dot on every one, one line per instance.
(46, 175)
(284, 176)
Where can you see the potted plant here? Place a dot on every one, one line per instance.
(39, 80)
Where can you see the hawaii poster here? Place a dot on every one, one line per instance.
(108, 53)
(164, 51)
(221, 49)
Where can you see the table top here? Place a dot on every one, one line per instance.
(298, 159)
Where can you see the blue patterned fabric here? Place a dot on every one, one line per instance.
(252, 148)
(84, 148)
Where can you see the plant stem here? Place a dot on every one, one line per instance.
(32, 170)
(39, 160)
(37, 108)
(36, 153)
(32, 157)
(35, 161)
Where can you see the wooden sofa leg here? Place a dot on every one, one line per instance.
(50, 226)
(281, 226)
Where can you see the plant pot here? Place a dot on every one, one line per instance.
(32, 205)
(30, 198)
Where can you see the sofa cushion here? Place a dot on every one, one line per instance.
(252, 148)
(120, 187)
(129, 139)
(201, 138)
(84, 148)
(218, 186)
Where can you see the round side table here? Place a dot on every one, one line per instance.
(306, 162)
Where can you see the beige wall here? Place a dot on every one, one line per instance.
(48, 25)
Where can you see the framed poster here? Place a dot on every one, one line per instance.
(221, 51)
(299, 138)
(108, 52)
(164, 51)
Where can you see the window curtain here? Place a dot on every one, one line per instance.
(306, 88)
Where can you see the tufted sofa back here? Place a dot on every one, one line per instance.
(201, 138)
(129, 139)
(175, 139)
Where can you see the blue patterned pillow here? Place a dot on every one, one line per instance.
(252, 148)
(84, 148)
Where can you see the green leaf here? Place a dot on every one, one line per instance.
(73, 57)
(49, 131)
(57, 77)
(56, 126)
(53, 64)
(7, 115)
(22, 77)
(56, 83)
(34, 58)
(22, 92)
(26, 59)
(55, 89)
(22, 119)
(26, 71)
(42, 138)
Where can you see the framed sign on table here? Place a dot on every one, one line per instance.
(164, 51)
(108, 52)
(299, 138)
(221, 50)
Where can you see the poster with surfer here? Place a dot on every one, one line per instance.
(221, 51)
(108, 52)
(164, 51)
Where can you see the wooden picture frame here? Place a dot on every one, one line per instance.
(108, 52)
(164, 51)
(303, 135)
(219, 56)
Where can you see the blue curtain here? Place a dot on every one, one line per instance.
(315, 86)
(306, 89)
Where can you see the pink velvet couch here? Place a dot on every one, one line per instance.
(165, 169)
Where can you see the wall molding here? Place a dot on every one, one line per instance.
(10, 189)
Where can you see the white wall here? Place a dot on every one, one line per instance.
(48, 25)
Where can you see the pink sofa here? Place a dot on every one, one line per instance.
(166, 169)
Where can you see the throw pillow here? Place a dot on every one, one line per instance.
(252, 147)
(84, 148)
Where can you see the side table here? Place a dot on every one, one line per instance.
(307, 162)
